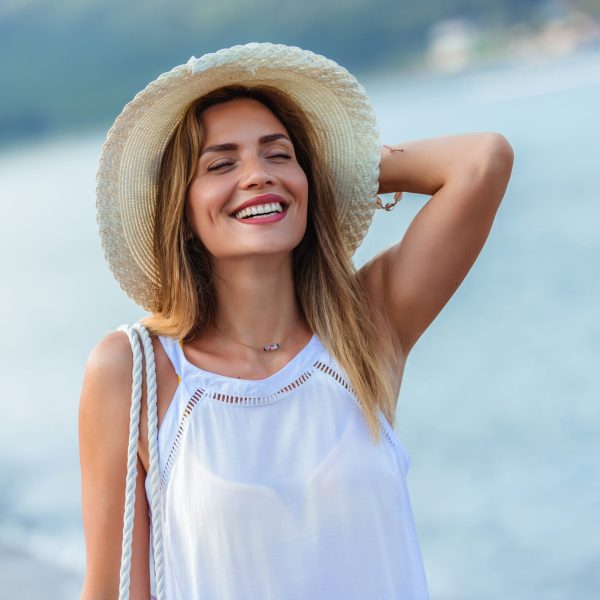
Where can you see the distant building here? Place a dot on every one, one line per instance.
(451, 45)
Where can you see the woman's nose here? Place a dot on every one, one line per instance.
(255, 174)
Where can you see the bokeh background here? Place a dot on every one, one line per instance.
(499, 407)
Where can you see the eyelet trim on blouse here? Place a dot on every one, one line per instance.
(333, 373)
(384, 425)
(187, 411)
(400, 451)
(256, 400)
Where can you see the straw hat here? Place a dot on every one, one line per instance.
(331, 97)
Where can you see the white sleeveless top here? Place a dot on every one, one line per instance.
(275, 489)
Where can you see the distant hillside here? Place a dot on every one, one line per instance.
(69, 64)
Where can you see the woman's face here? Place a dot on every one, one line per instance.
(247, 156)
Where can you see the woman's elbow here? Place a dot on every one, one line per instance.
(499, 155)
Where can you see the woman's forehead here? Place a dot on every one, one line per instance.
(241, 121)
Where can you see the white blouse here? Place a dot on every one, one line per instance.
(275, 490)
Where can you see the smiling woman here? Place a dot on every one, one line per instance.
(232, 193)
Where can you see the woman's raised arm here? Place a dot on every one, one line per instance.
(466, 175)
(103, 436)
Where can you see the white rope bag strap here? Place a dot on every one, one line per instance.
(140, 340)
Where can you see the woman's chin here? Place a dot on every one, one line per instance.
(281, 244)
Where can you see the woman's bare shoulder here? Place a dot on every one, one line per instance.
(111, 356)
(106, 389)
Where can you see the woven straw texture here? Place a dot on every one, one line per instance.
(332, 98)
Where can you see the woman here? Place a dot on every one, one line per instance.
(231, 194)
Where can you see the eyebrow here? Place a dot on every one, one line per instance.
(265, 139)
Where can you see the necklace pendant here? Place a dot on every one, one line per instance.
(271, 347)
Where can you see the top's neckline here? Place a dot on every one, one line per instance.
(288, 372)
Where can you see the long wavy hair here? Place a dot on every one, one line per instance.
(330, 294)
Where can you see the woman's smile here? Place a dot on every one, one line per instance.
(247, 172)
(268, 208)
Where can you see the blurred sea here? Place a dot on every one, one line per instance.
(500, 404)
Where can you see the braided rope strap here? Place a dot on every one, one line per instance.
(140, 339)
(155, 500)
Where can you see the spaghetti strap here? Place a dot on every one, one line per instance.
(174, 351)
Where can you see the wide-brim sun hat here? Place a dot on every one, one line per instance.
(127, 181)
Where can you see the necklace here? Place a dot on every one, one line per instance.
(266, 348)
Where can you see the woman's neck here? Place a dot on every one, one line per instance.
(256, 301)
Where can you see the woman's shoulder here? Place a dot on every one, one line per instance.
(107, 378)
(110, 363)
(107, 383)
(111, 355)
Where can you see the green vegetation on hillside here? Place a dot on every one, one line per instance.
(68, 64)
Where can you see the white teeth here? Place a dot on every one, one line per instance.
(260, 209)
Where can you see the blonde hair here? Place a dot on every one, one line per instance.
(331, 296)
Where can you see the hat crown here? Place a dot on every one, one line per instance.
(255, 54)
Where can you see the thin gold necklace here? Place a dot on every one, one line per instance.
(266, 348)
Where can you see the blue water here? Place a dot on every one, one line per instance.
(500, 403)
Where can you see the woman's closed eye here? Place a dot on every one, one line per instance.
(217, 166)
